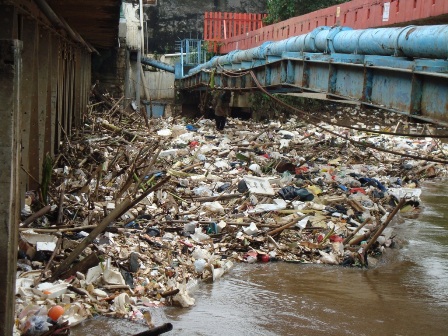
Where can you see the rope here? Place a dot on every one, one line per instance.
(234, 74)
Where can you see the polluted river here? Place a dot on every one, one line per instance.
(276, 228)
(406, 294)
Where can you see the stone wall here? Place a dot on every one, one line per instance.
(174, 20)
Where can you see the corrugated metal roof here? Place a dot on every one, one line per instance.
(95, 20)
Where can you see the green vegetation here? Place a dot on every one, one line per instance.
(279, 10)
(265, 109)
(47, 169)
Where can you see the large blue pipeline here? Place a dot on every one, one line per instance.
(412, 41)
(157, 64)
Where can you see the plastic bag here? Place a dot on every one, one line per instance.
(214, 207)
(291, 192)
(198, 236)
(199, 265)
(199, 253)
(36, 325)
(202, 191)
(251, 229)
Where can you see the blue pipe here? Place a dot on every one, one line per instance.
(157, 64)
(314, 41)
(412, 41)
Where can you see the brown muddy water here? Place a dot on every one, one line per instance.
(405, 294)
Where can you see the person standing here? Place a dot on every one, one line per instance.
(221, 100)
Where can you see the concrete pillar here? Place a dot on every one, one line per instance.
(10, 75)
(138, 78)
(127, 79)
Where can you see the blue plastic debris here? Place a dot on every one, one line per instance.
(191, 128)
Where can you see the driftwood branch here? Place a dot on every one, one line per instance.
(46, 209)
(157, 330)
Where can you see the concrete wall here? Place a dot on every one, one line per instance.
(160, 84)
(174, 20)
(45, 80)
(10, 75)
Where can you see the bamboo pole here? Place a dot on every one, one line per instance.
(46, 209)
(385, 224)
(286, 226)
(123, 206)
(157, 330)
(349, 237)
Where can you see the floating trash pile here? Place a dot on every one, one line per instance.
(137, 212)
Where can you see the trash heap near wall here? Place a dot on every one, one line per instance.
(135, 212)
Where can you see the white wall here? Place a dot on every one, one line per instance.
(160, 84)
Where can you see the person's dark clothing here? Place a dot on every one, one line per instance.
(221, 105)
(220, 122)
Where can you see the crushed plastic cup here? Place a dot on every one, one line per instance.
(199, 236)
(199, 265)
(255, 168)
(202, 191)
(213, 207)
(251, 229)
(121, 303)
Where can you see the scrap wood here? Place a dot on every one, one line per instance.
(350, 236)
(61, 229)
(58, 329)
(202, 222)
(157, 330)
(272, 240)
(157, 186)
(355, 205)
(115, 107)
(213, 198)
(47, 266)
(123, 206)
(358, 239)
(46, 209)
(117, 129)
(286, 226)
(77, 290)
(126, 164)
(149, 167)
(61, 204)
(197, 164)
(170, 293)
(83, 266)
(386, 223)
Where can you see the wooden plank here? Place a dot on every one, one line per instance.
(59, 114)
(53, 91)
(72, 87)
(10, 76)
(28, 32)
(43, 63)
(32, 92)
(78, 86)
